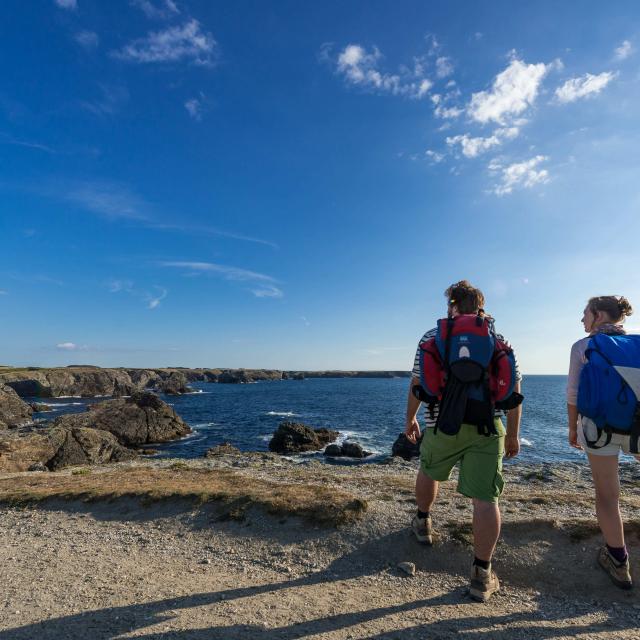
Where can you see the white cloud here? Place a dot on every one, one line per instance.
(71, 346)
(67, 4)
(586, 85)
(472, 147)
(360, 68)
(513, 91)
(448, 112)
(116, 286)
(163, 10)
(154, 299)
(185, 42)
(434, 156)
(623, 51)
(444, 67)
(266, 284)
(87, 39)
(519, 175)
(194, 108)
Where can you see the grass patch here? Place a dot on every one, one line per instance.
(461, 532)
(80, 472)
(232, 491)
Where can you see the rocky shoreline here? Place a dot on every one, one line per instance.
(90, 381)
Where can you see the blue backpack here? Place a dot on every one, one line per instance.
(609, 387)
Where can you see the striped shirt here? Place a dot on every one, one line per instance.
(431, 421)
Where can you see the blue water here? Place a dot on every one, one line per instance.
(369, 411)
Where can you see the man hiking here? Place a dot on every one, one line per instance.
(468, 377)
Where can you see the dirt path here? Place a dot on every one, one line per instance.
(170, 570)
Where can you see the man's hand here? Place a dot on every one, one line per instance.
(511, 446)
(412, 430)
(573, 437)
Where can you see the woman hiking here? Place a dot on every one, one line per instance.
(588, 394)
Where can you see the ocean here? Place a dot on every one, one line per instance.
(368, 410)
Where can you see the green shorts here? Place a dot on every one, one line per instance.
(480, 460)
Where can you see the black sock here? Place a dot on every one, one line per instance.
(423, 514)
(619, 554)
(484, 564)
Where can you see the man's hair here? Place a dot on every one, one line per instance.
(465, 297)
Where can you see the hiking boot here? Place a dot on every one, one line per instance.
(618, 572)
(484, 583)
(421, 528)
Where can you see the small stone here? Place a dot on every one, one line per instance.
(407, 567)
(206, 561)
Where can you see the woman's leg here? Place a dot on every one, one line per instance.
(607, 482)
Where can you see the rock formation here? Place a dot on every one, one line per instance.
(294, 437)
(13, 411)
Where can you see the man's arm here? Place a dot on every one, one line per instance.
(412, 428)
(512, 440)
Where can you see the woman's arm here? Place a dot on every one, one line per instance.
(572, 414)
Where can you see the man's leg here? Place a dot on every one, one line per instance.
(426, 492)
(486, 528)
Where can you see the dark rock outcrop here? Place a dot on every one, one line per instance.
(39, 407)
(224, 449)
(294, 437)
(405, 449)
(348, 449)
(141, 419)
(13, 411)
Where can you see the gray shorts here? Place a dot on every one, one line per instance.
(618, 443)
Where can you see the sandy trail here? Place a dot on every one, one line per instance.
(170, 570)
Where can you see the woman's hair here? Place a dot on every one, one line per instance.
(616, 307)
(465, 297)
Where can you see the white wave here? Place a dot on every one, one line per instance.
(55, 405)
(68, 396)
(202, 425)
(526, 443)
(266, 437)
(284, 414)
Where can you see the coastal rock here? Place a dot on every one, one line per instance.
(346, 450)
(41, 449)
(405, 449)
(141, 419)
(85, 446)
(13, 411)
(39, 407)
(175, 384)
(294, 437)
(224, 449)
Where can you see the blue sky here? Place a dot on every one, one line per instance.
(293, 185)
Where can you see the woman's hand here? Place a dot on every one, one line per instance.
(573, 436)
(412, 430)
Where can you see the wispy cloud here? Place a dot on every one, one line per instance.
(584, 86)
(151, 298)
(212, 231)
(154, 299)
(472, 147)
(519, 175)
(359, 68)
(624, 50)
(194, 108)
(87, 39)
(109, 199)
(162, 10)
(444, 67)
(7, 139)
(433, 156)
(67, 4)
(267, 284)
(513, 91)
(186, 42)
(111, 100)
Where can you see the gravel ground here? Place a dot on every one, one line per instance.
(122, 569)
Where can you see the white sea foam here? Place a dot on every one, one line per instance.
(68, 396)
(55, 405)
(526, 443)
(284, 414)
(202, 425)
